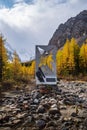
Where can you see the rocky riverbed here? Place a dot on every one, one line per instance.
(62, 108)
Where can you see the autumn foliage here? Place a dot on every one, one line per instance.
(14, 70)
(70, 60)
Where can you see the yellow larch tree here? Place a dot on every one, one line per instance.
(59, 61)
(3, 60)
(65, 54)
(83, 57)
(16, 66)
(73, 57)
(32, 68)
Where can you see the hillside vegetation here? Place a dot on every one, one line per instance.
(71, 60)
(13, 71)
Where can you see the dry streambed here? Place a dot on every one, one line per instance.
(63, 108)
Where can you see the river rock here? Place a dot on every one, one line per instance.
(30, 119)
(20, 115)
(41, 109)
(36, 101)
(40, 123)
(51, 123)
(16, 121)
(46, 105)
(5, 128)
(73, 114)
(54, 110)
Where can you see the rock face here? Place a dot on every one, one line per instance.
(75, 27)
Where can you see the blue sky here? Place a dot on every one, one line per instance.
(26, 23)
(11, 3)
(7, 3)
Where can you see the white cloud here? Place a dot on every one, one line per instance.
(19, 0)
(74, 1)
(25, 25)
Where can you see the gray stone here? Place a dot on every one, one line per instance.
(25, 102)
(54, 111)
(20, 115)
(73, 114)
(16, 121)
(41, 109)
(36, 101)
(46, 106)
(5, 128)
(30, 119)
(51, 123)
(40, 123)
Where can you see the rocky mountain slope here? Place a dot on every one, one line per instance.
(74, 27)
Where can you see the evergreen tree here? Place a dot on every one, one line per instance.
(73, 57)
(16, 67)
(59, 61)
(83, 58)
(68, 58)
(65, 57)
(32, 68)
(3, 60)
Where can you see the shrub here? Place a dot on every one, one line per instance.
(8, 84)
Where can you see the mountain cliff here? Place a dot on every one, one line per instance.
(74, 27)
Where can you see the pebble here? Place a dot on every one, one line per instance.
(54, 111)
(41, 109)
(40, 123)
(36, 101)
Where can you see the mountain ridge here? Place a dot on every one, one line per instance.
(74, 27)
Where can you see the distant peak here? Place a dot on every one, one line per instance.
(74, 27)
(83, 13)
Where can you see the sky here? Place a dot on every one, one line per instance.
(26, 23)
